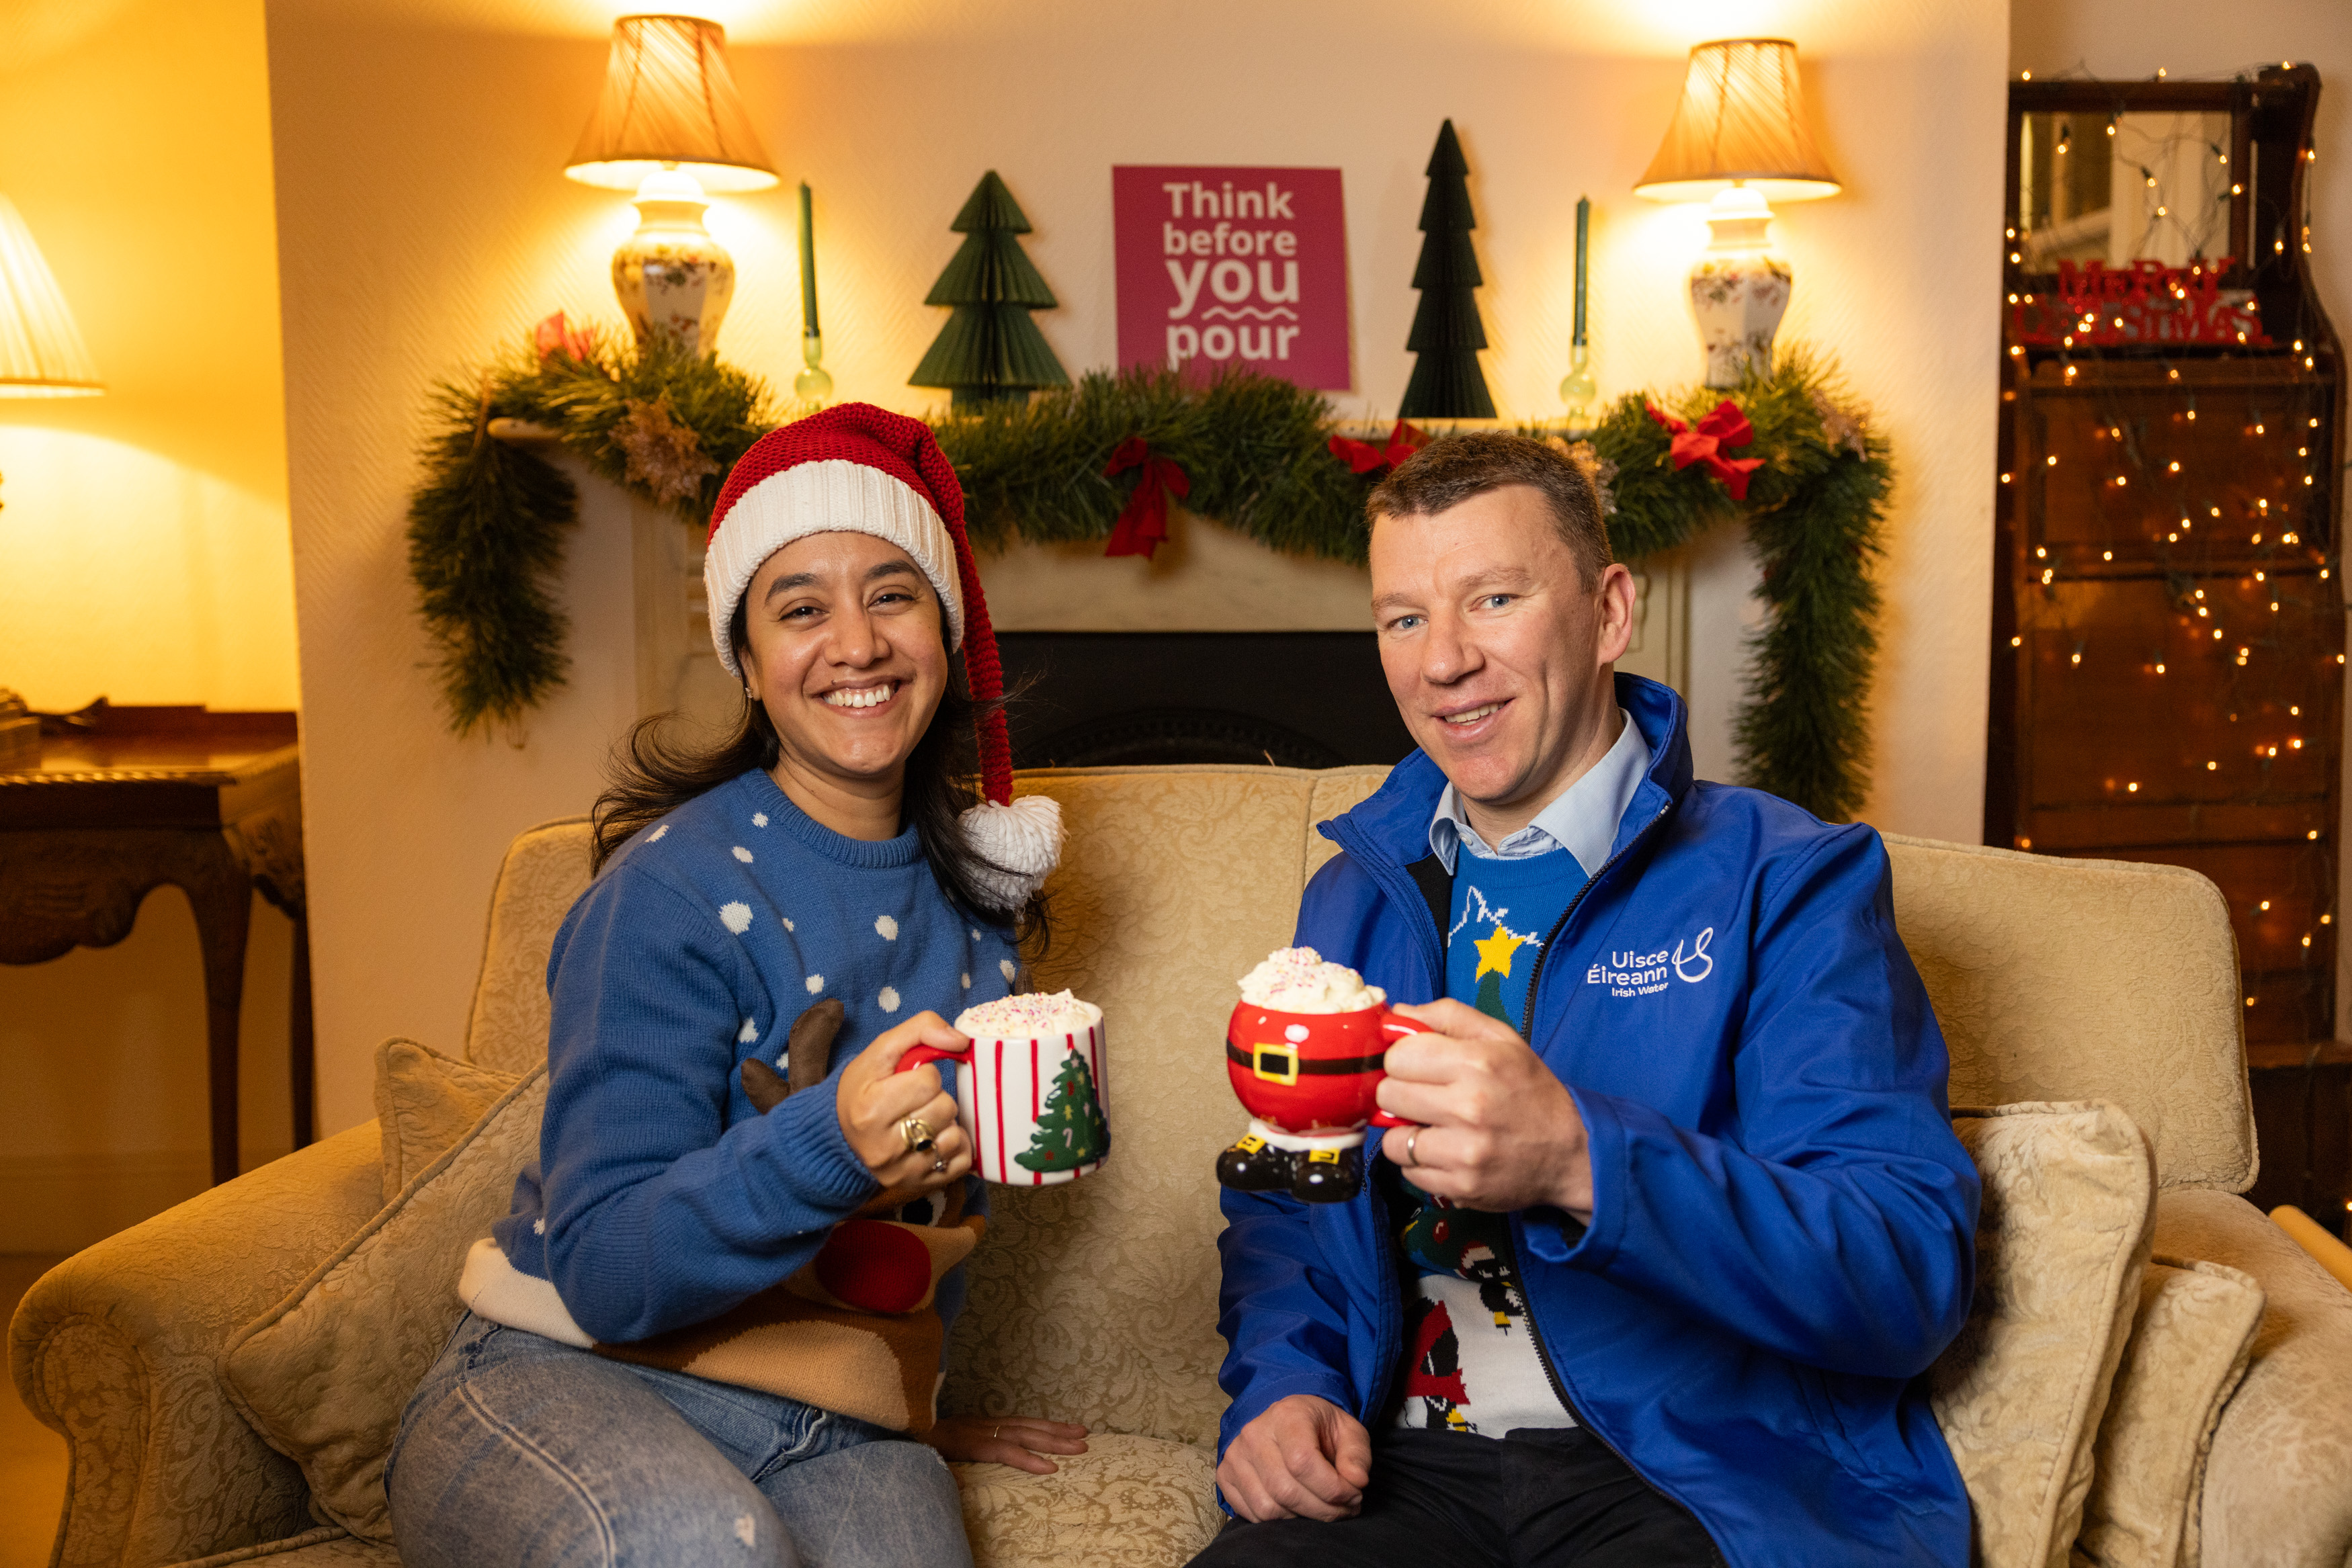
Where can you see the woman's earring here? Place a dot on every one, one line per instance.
(747, 693)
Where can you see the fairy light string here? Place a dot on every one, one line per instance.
(2231, 515)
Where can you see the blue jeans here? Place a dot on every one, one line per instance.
(519, 1452)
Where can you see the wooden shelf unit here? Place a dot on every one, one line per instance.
(2168, 658)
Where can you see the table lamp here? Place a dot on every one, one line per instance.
(1739, 138)
(671, 126)
(41, 355)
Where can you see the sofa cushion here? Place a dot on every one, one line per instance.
(425, 1101)
(1125, 1503)
(2188, 1344)
(2275, 1489)
(545, 870)
(327, 1547)
(2061, 1244)
(1096, 1301)
(2156, 1030)
(324, 1375)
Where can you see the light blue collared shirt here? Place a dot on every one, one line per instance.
(1583, 819)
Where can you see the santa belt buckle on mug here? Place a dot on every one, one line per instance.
(1282, 1064)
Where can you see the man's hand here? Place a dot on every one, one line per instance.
(1499, 1132)
(1303, 1458)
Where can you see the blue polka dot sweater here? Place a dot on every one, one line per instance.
(661, 1197)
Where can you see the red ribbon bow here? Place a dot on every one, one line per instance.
(1144, 521)
(1725, 426)
(555, 335)
(1363, 457)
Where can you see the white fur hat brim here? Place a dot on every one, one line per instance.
(835, 495)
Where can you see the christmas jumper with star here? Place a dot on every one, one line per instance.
(1470, 1362)
(669, 1220)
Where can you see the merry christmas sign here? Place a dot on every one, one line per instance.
(1220, 266)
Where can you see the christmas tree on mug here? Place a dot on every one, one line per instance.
(1071, 1131)
(1446, 332)
(989, 351)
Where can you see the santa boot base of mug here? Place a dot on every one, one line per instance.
(1328, 1175)
(1253, 1165)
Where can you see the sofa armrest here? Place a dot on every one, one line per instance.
(118, 1348)
(2274, 1488)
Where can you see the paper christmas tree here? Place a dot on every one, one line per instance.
(990, 350)
(1071, 1131)
(1446, 332)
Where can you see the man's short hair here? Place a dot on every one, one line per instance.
(1451, 469)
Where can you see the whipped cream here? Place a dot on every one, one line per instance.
(1300, 981)
(1032, 1015)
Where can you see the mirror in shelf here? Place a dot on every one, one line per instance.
(2117, 188)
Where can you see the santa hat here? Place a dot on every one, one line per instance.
(856, 468)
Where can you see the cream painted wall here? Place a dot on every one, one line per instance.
(144, 555)
(424, 223)
(134, 137)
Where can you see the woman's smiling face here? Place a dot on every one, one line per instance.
(845, 649)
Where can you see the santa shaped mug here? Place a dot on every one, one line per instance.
(1306, 1049)
(1029, 1088)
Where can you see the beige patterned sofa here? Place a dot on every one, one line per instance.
(2055, 980)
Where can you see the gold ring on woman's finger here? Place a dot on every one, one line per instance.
(918, 1135)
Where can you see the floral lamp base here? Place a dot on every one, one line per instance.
(1738, 290)
(674, 280)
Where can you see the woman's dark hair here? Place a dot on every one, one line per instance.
(656, 770)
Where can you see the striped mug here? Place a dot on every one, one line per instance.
(1032, 1103)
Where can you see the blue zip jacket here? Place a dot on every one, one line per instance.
(1782, 1231)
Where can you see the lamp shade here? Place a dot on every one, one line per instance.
(669, 100)
(41, 351)
(1740, 122)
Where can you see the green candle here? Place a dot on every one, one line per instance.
(1583, 224)
(808, 271)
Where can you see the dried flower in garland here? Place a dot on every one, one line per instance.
(665, 457)
(1840, 427)
(1597, 468)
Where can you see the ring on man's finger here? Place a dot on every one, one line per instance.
(918, 1135)
(1410, 1139)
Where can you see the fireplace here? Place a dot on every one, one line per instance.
(1293, 699)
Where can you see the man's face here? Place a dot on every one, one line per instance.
(1497, 652)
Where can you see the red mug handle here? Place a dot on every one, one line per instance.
(1393, 1029)
(918, 1055)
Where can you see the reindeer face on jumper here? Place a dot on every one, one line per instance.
(891, 1256)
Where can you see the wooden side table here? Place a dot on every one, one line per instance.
(126, 799)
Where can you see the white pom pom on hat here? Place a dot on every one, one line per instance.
(857, 468)
(1027, 831)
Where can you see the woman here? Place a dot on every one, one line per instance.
(712, 1321)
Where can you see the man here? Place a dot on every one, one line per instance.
(1684, 1214)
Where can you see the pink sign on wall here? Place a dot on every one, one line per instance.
(1220, 266)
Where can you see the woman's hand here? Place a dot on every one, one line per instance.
(873, 1097)
(1021, 1441)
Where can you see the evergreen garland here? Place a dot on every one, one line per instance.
(485, 526)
